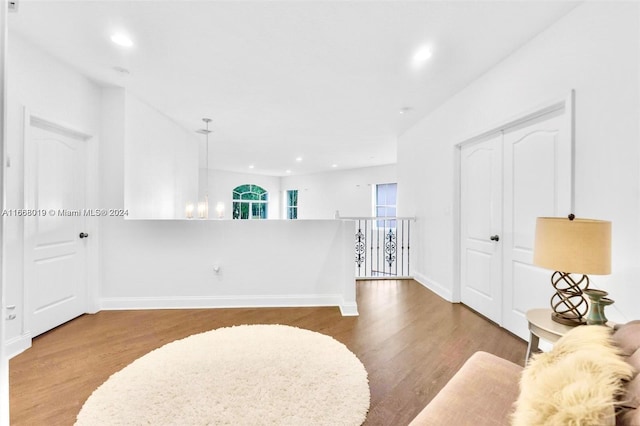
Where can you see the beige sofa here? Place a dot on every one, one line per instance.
(484, 390)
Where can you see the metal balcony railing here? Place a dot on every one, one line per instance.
(382, 246)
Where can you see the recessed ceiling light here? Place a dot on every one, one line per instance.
(251, 166)
(122, 39)
(288, 171)
(334, 165)
(298, 159)
(421, 56)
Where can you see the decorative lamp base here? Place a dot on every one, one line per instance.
(568, 302)
(598, 302)
(563, 319)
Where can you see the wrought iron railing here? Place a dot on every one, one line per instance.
(382, 246)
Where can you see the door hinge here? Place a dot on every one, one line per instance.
(10, 315)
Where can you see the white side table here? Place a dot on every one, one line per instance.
(542, 326)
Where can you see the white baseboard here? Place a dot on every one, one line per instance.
(435, 287)
(349, 309)
(195, 302)
(17, 345)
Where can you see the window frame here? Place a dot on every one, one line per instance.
(247, 195)
(376, 206)
(289, 208)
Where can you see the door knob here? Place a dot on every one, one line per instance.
(494, 238)
(84, 235)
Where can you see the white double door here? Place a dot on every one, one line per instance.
(508, 179)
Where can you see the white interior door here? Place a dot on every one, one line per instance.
(480, 214)
(55, 269)
(537, 182)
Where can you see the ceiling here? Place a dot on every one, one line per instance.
(320, 80)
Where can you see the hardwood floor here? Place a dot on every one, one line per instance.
(410, 341)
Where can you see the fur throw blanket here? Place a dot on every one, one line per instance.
(575, 384)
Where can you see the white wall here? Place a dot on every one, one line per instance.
(161, 163)
(262, 263)
(594, 50)
(169, 263)
(55, 92)
(153, 264)
(348, 191)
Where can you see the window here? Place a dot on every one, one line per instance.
(250, 202)
(385, 203)
(292, 204)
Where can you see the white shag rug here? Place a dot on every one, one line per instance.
(243, 375)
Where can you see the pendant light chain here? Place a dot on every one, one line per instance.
(205, 212)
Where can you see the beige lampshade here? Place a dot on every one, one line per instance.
(581, 246)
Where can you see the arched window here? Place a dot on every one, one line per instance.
(250, 202)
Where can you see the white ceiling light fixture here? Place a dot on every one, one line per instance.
(421, 56)
(121, 39)
(298, 159)
(251, 166)
(334, 165)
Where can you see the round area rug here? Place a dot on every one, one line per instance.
(244, 375)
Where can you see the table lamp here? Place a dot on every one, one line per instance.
(572, 246)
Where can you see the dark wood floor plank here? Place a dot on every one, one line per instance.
(410, 341)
